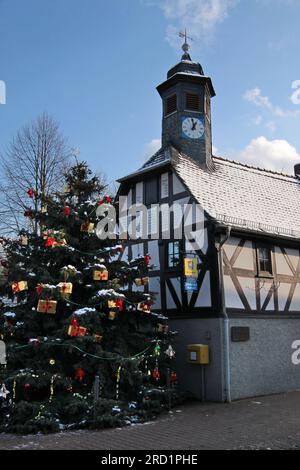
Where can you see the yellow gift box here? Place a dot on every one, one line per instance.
(100, 275)
(47, 306)
(66, 288)
(87, 227)
(143, 281)
(112, 315)
(111, 304)
(19, 286)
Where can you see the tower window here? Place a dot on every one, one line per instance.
(192, 102)
(264, 260)
(171, 105)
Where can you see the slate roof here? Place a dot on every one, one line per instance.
(242, 196)
(238, 195)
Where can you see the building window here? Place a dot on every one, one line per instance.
(151, 191)
(173, 255)
(192, 102)
(264, 261)
(171, 105)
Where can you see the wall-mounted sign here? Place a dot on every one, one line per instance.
(190, 268)
(191, 285)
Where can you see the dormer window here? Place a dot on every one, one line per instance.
(171, 105)
(192, 102)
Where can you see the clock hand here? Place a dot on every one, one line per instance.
(194, 123)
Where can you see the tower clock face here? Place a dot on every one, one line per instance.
(192, 128)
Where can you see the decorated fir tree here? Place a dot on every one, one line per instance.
(83, 347)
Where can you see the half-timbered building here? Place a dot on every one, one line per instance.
(246, 304)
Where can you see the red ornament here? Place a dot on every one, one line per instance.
(119, 304)
(28, 213)
(147, 259)
(73, 329)
(80, 374)
(156, 374)
(38, 290)
(49, 242)
(67, 211)
(30, 193)
(118, 249)
(173, 378)
(27, 385)
(106, 199)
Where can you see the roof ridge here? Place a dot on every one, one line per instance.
(257, 168)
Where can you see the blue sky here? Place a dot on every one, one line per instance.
(94, 66)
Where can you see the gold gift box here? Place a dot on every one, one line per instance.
(111, 304)
(98, 338)
(141, 281)
(100, 275)
(19, 286)
(112, 315)
(87, 227)
(66, 289)
(47, 306)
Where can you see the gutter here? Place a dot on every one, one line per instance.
(226, 342)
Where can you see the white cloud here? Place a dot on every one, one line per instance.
(295, 98)
(256, 97)
(150, 148)
(200, 17)
(276, 155)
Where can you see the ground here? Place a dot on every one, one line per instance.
(271, 422)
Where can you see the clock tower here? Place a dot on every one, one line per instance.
(186, 97)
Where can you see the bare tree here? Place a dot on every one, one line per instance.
(36, 159)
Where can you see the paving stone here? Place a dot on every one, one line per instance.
(272, 424)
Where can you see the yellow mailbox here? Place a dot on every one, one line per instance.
(198, 354)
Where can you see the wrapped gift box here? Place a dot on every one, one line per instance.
(111, 304)
(144, 307)
(19, 286)
(112, 315)
(100, 275)
(66, 289)
(47, 306)
(98, 338)
(143, 281)
(87, 227)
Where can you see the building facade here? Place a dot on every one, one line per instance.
(243, 230)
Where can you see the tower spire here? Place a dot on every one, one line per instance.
(185, 46)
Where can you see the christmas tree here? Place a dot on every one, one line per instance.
(83, 347)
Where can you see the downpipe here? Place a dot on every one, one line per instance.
(226, 341)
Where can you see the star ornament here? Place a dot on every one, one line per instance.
(3, 392)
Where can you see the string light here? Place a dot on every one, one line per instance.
(118, 382)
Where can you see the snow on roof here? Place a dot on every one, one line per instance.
(243, 196)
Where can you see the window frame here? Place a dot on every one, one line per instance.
(262, 272)
(178, 266)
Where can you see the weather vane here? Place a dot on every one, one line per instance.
(185, 46)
